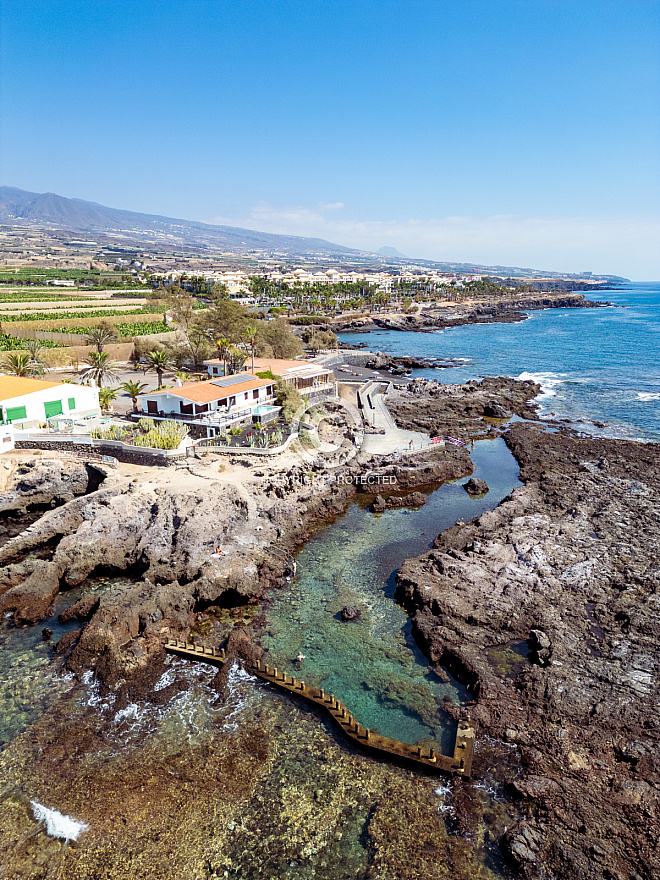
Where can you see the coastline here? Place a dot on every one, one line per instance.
(503, 310)
(160, 521)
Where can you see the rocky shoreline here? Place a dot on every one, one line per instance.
(567, 572)
(505, 310)
(546, 608)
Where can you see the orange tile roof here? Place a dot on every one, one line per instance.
(263, 364)
(206, 392)
(17, 386)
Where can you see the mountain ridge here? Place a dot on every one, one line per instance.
(82, 216)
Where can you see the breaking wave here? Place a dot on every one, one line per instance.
(57, 824)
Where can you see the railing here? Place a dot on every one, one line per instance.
(460, 763)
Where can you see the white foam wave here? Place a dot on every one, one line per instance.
(189, 712)
(548, 381)
(166, 679)
(57, 824)
(445, 792)
(648, 395)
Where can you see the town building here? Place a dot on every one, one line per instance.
(216, 405)
(33, 403)
(309, 379)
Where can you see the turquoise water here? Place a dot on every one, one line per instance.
(372, 664)
(599, 364)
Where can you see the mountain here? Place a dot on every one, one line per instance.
(151, 231)
(88, 217)
(391, 252)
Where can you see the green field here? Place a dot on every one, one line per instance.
(87, 313)
(124, 329)
(8, 296)
(13, 343)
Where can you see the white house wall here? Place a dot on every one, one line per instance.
(86, 400)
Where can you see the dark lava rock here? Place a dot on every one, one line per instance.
(46, 634)
(494, 410)
(475, 486)
(538, 639)
(83, 609)
(67, 641)
(413, 499)
(350, 612)
(521, 845)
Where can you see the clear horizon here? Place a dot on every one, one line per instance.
(487, 133)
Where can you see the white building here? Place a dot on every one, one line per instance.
(308, 378)
(31, 403)
(215, 405)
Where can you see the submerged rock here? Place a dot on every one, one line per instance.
(350, 612)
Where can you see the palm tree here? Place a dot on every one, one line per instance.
(106, 396)
(159, 361)
(133, 389)
(36, 350)
(224, 345)
(19, 363)
(100, 336)
(100, 367)
(250, 333)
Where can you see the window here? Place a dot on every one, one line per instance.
(152, 406)
(16, 413)
(53, 408)
(255, 394)
(72, 403)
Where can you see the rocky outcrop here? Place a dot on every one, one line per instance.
(32, 599)
(413, 500)
(350, 612)
(476, 487)
(48, 483)
(461, 410)
(569, 565)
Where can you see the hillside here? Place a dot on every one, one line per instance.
(149, 231)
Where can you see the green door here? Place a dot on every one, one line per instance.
(53, 408)
(16, 413)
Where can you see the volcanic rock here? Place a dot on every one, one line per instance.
(475, 486)
(350, 612)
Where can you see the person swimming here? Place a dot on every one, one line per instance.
(300, 656)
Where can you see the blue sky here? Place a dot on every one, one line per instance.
(494, 131)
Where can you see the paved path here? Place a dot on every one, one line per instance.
(394, 439)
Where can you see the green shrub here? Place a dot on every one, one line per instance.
(146, 425)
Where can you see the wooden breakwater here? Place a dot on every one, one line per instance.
(460, 763)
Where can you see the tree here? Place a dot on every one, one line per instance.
(19, 363)
(236, 358)
(226, 318)
(250, 334)
(159, 361)
(106, 396)
(100, 336)
(37, 351)
(224, 345)
(219, 291)
(278, 335)
(100, 367)
(288, 398)
(133, 388)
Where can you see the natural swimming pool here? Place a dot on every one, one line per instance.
(372, 664)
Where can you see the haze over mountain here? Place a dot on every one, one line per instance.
(149, 230)
(89, 217)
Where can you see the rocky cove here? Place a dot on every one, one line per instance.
(277, 795)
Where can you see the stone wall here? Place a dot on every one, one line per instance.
(120, 451)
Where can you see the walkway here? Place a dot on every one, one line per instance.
(376, 413)
(460, 763)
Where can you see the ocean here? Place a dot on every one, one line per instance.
(592, 364)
